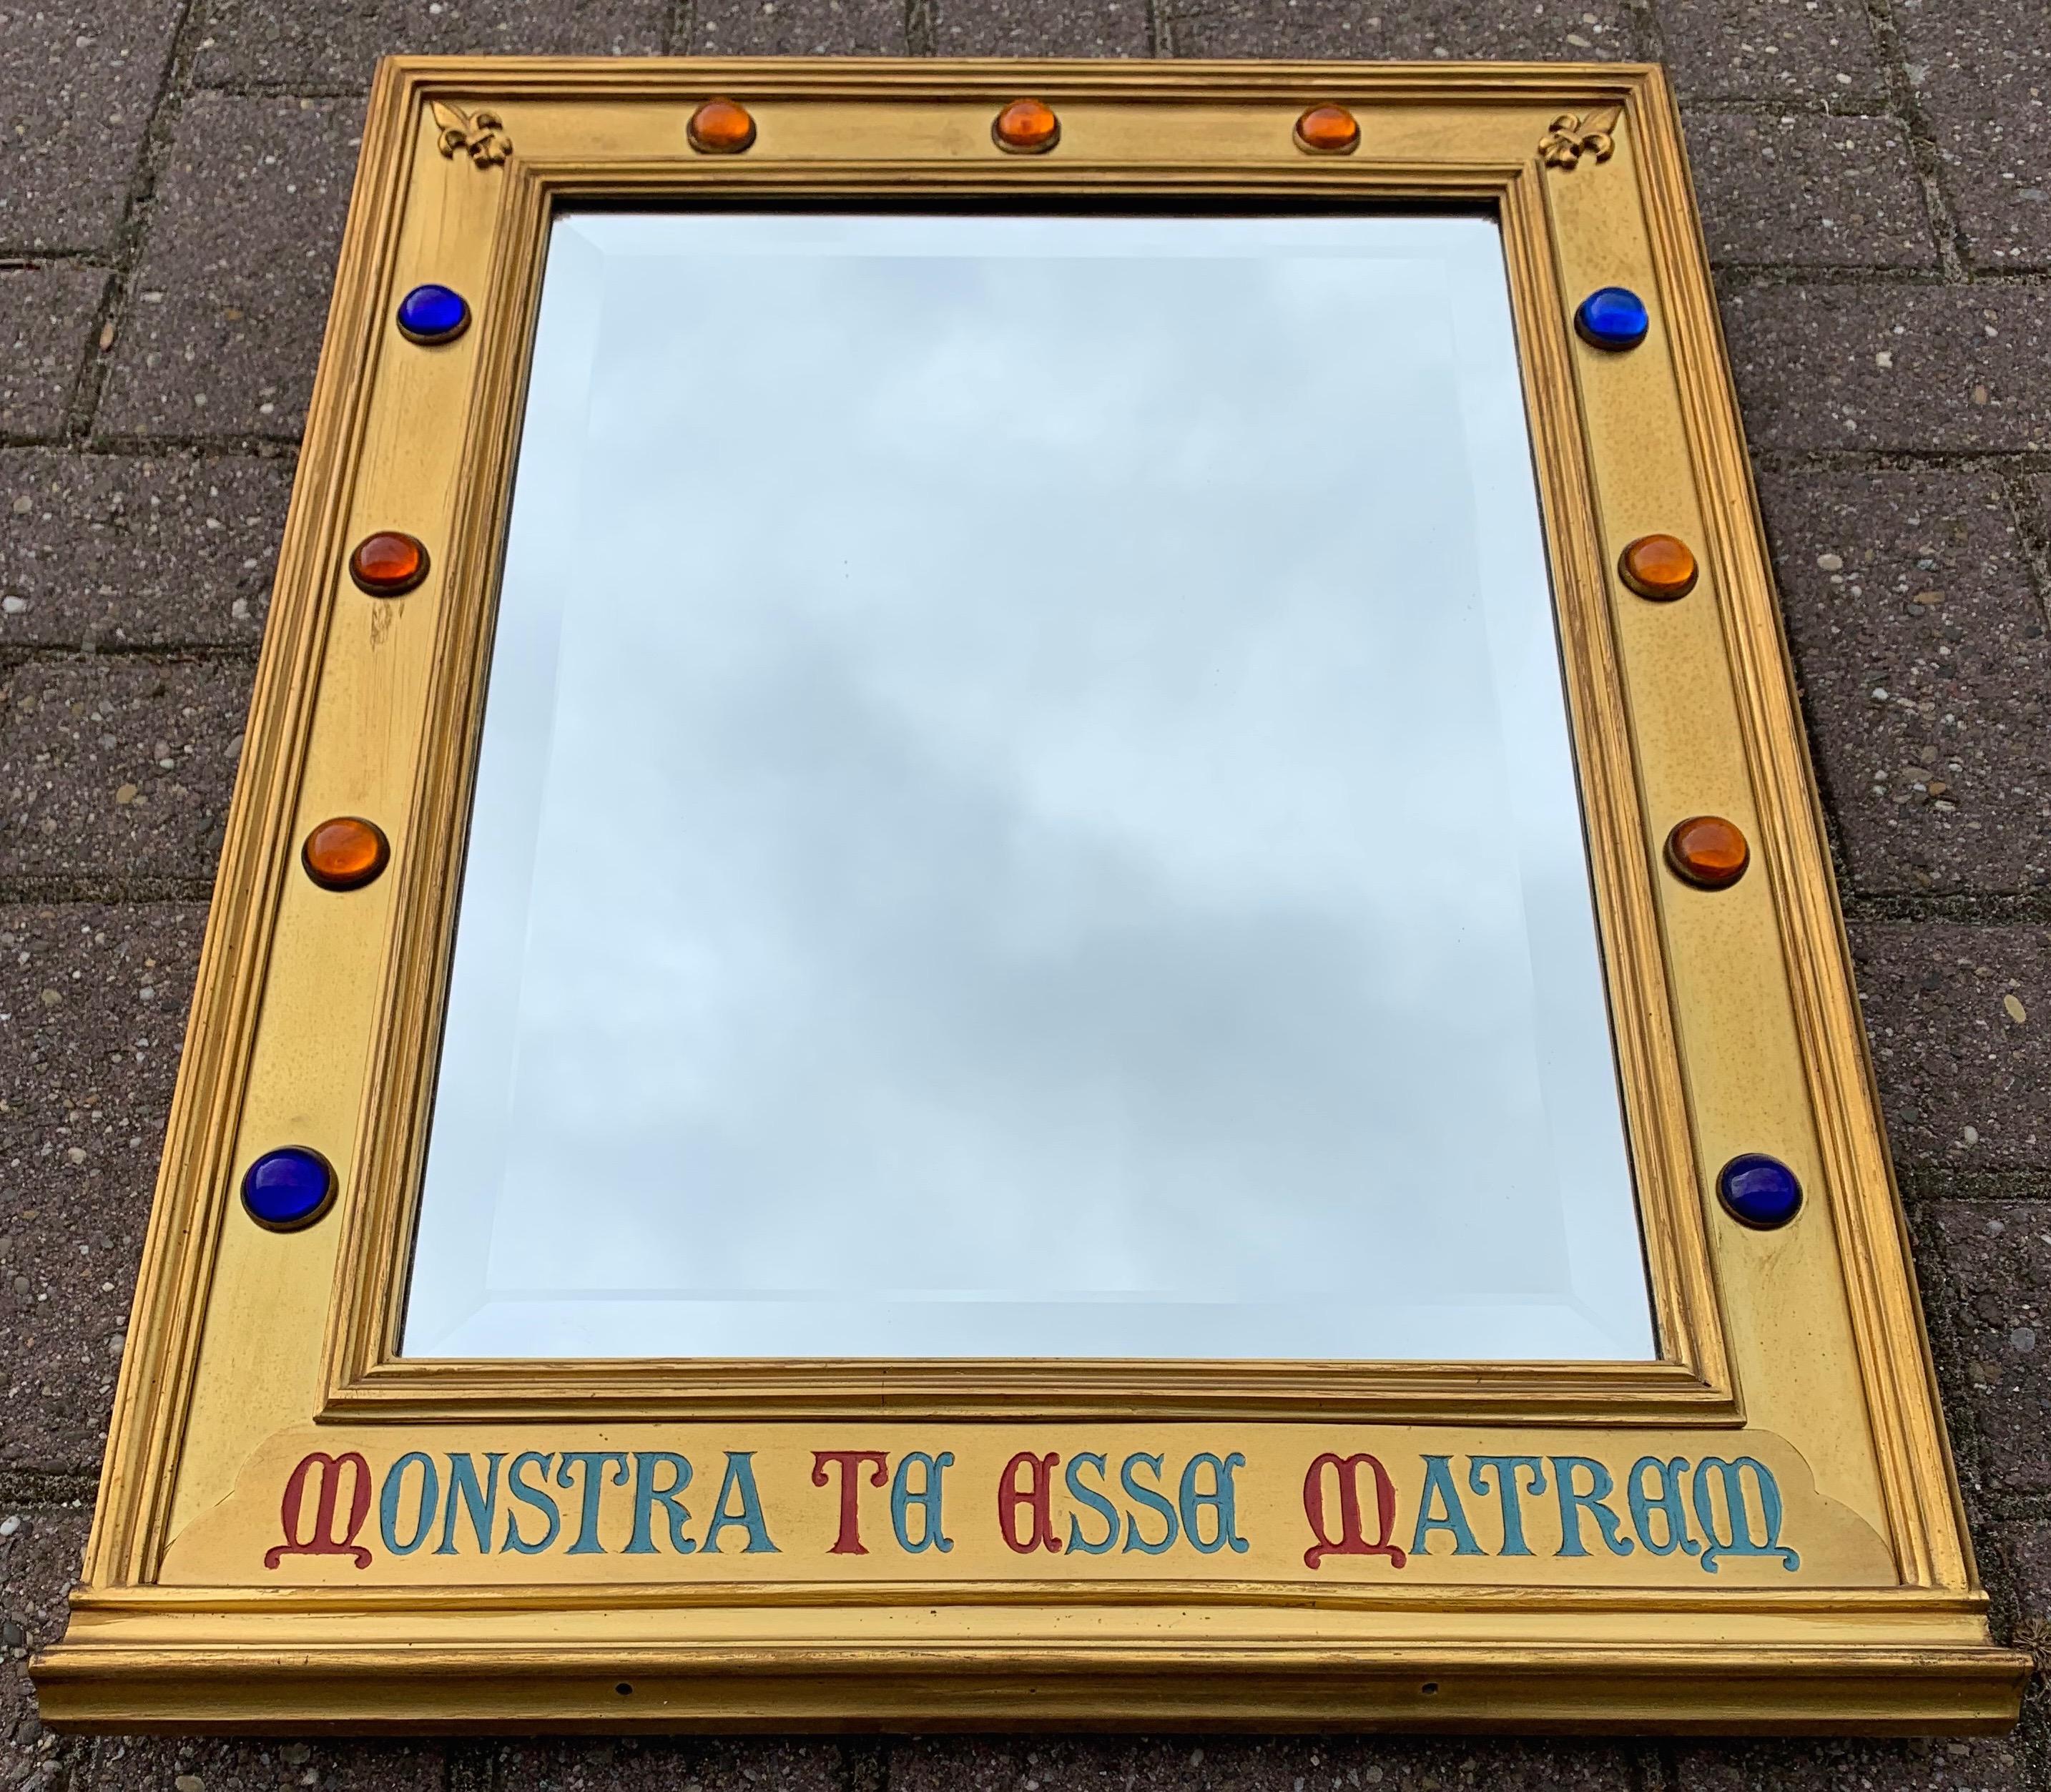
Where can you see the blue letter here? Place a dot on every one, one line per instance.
(1643, 1506)
(482, 1503)
(517, 1484)
(1573, 1499)
(739, 1481)
(1742, 1542)
(1439, 1480)
(647, 1495)
(1219, 1499)
(387, 1502)
(1152, 1501)
(1097, 1504)
(590, 1462)
(1507, 1495)
(927, 1496)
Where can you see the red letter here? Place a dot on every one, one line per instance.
(292, 1508)
(1010, 1496)
(849, 1462)
(1350, 1541)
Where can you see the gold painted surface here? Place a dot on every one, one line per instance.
(1244, 1514)
(317, 1015)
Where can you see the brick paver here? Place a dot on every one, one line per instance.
(1891, 367)
(1980, 1765)
(1996, 1260)
(46, 324)
(1862, 203)
(1232, 1764)
(798, 28)
(231, 294)
(93, 1007)
(1587, 30)
(79, 80)
(172, 550)
(1041, 28)
(118, 767)
(305, 46)
(1809, 54)
(173, 175)
(1921, 649)
(1959, 1018)
(40, 1544)
(1981, 72)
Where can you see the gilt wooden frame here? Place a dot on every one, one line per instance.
(1787, 1450)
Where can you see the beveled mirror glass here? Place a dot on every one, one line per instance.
(1026, 809)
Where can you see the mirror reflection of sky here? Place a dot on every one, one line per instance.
(1025, 810)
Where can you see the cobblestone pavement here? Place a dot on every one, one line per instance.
(1876, 178)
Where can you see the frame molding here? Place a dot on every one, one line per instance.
(365, 1372)
(1734, 1019)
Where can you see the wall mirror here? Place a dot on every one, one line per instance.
(1025, 925)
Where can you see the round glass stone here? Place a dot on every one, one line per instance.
(1660, 567)
(432, 314)
(1328, 130)
(1708, 852)
(389, 563)
(1759, 1190)
(345, 853)
(1612, 317)
(288, 1189)
(1026, 127)
(720, 127)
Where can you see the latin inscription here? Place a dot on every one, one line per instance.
(1086, 1506)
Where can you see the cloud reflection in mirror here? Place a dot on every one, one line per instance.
(1026, 810)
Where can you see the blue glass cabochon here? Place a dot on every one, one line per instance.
(288, 1187)
(433, 313)
(1759, 1190)
(1612, 317)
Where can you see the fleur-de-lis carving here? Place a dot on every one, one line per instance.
(1572, 136)
(482, 133)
